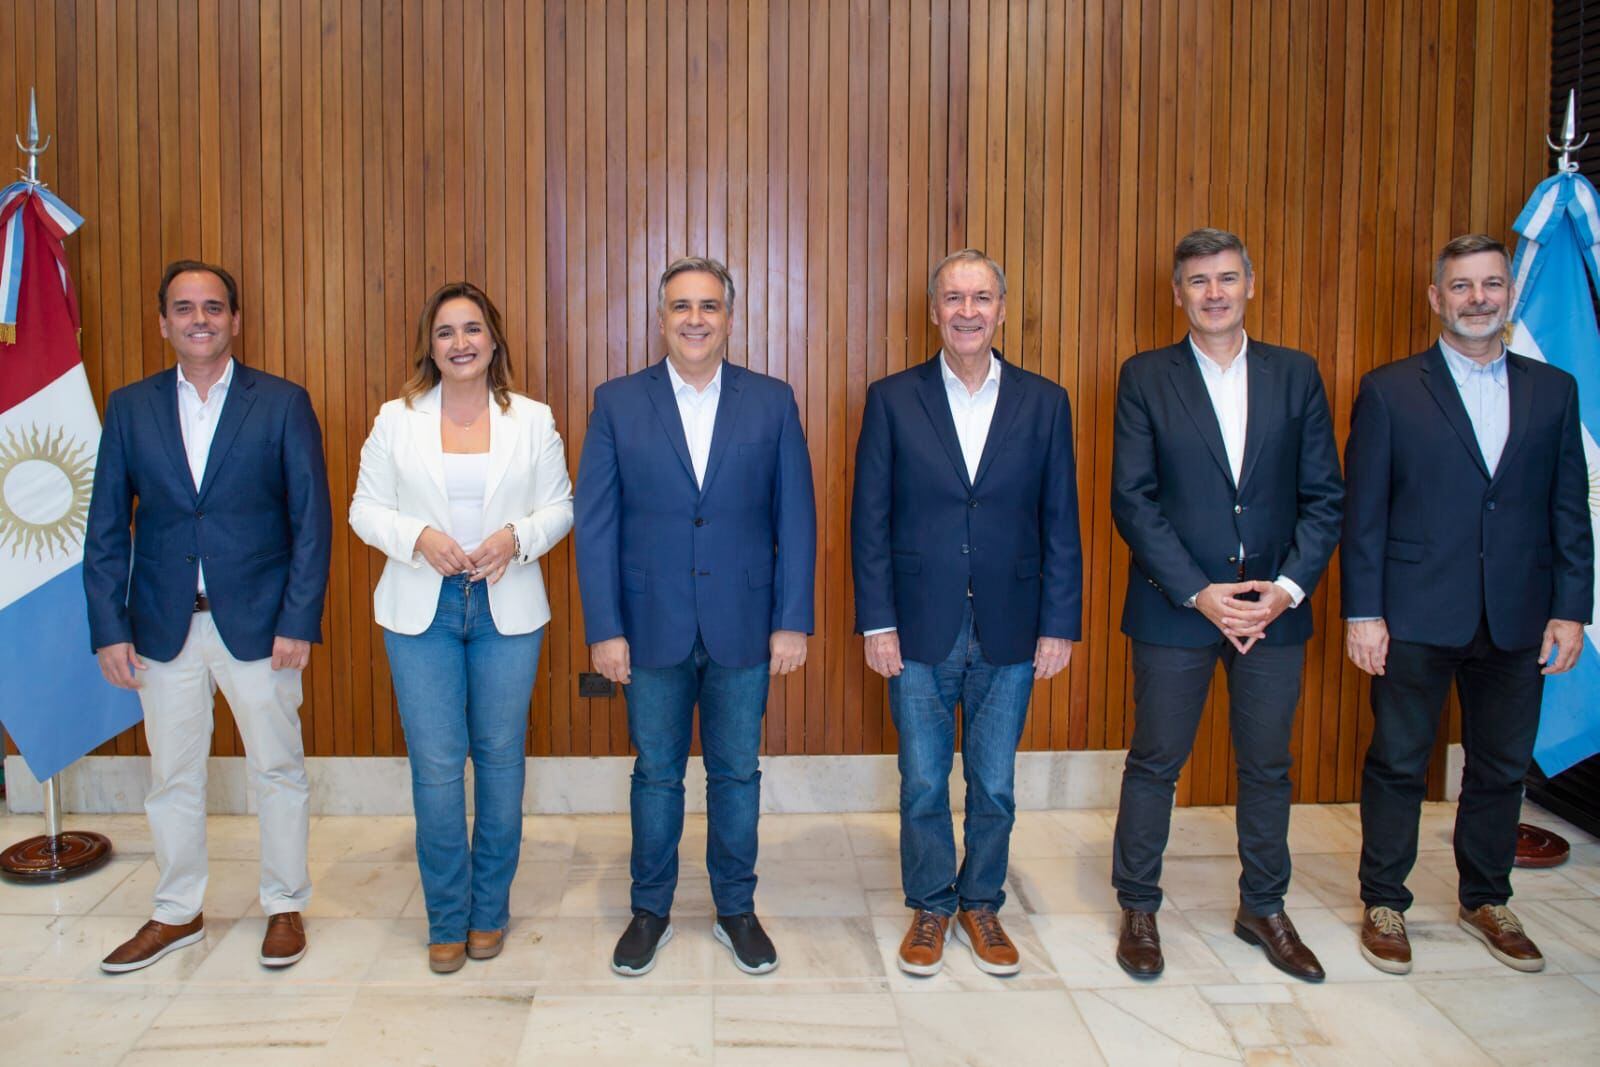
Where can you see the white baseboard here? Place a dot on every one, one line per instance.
(381, 785)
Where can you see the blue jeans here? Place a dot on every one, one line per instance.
(994, 707)
(661, 704)
(463, 688)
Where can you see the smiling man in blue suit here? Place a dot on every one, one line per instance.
(696, 541)
(969, 588)
(229, 563)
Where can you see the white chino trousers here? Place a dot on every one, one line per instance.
(178, 701)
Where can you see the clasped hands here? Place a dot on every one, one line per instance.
(1242, 622)
(487, 562)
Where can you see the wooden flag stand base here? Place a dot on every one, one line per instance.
(56, 855)
(1538, 847)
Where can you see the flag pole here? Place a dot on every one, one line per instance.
(58, 854)
(1536, 846)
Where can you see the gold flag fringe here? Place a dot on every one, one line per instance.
(8, 334)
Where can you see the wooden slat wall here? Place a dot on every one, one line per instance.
(343, 157)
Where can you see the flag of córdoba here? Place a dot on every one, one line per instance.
(53, 701)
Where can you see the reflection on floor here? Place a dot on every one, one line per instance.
(829, 897)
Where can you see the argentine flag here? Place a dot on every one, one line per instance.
(53, 700)
(1554, 321)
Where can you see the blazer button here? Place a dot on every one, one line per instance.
(965, 549)
(1233, 559)
(1489, 505)
(188, 559)
(1238, 509)
(199, 514)
(698, 521)
(972, 503)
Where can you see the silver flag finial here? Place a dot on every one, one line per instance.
(33, 149)
(1569, 133)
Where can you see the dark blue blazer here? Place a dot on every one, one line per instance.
(1433, 543)
(260, 520)
(660, 559)
(1174, 499)
(922, 534)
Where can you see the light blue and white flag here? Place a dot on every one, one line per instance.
(1555, 322)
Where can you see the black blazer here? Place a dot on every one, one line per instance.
(922, 533)
(1433, 543)
(1175, 502)
(260, 520)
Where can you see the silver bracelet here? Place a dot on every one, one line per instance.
(516, 543)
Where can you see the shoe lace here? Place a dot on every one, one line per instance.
(990, 931)
(1142, 924)
(926, 930)
(1507, 921)
(1387, 921)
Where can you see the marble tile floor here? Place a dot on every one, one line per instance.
(830, 898)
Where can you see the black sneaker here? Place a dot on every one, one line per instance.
(636, 949)
(751, 947)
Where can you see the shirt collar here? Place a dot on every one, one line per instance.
(221, 383)
(1461, 367)
(1207, 363)
(952, 382)
(713, 387)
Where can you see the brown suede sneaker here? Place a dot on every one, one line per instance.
(1383, 940)
(285, 941)
(992, 950)
(485, 944)
(447, 958)
(1501, 931)
(154, 940)
(922, 949)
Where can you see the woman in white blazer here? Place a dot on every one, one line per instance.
(463, 487)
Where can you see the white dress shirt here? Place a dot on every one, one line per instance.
(197, 421)
(973, 412)
(1229, 389)
(698, 411)
(1487, 398)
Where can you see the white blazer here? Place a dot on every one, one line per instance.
(401, 490)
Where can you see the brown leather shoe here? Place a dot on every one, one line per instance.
(1277, 937)
(922, 949)
(485, 944)
(447, 958)
(992, 950)
(154, 940)
(1384, 942)
(285, 942)
(1496, 927)
(1139, 944)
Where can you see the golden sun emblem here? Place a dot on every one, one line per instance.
(45, 480)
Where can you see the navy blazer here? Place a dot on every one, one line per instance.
(260, 520)
(659, 558)
(1174, 499)
(1433, 543)
(922, 534)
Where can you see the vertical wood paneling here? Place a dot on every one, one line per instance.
(344, 157)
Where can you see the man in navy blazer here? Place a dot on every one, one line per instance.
(205, 565)
(1225, 485)
(696, 543)
(1468, 556)
(969, 587)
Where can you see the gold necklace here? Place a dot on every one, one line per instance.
(468, 424)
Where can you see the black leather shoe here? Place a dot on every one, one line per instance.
(1277, 937)
(636, 949)
(1139, 944)
(751, 947)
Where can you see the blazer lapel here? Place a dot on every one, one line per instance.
(1521, 390)
(659, 389)
(1258, 418)
(505, 429)
(722, 426)
(930, 390)
(1191, 390)
(241, 396)
(164, 409)
(1441, 385)
(424, 423)
(1005, 413)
